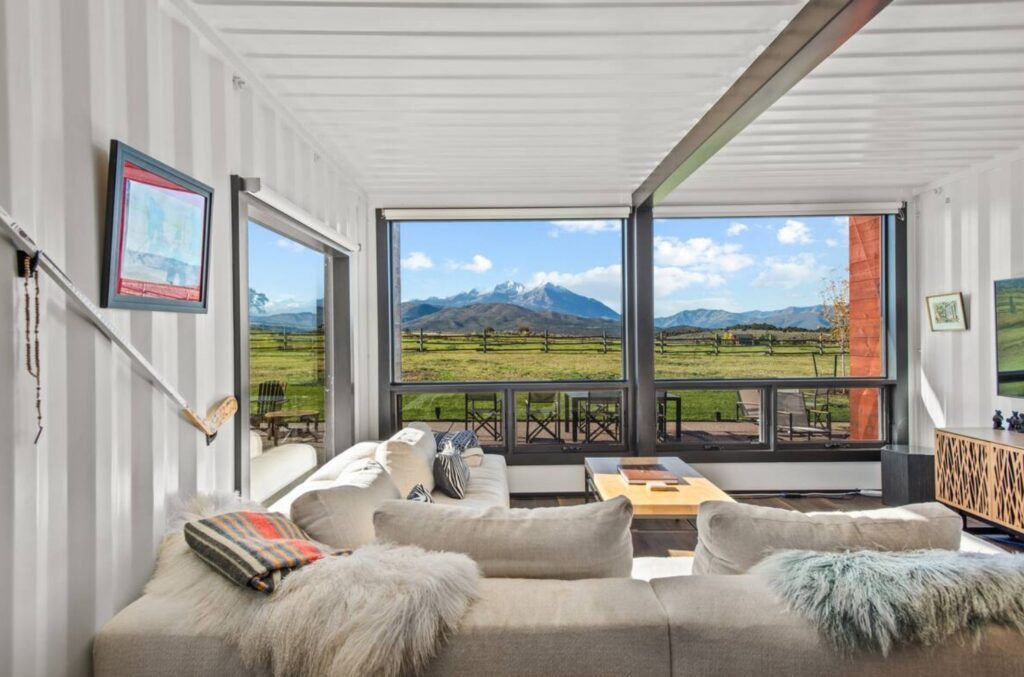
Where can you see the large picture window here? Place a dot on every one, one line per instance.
(768, 297)
(508, 300)
(765, 334)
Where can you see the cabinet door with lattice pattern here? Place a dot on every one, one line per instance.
(1007, 490)
(961, 473)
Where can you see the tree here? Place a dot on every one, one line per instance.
(835, 308)
(257, 302)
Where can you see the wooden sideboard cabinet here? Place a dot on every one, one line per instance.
(980, 472)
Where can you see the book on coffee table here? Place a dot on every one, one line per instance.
(642, 474)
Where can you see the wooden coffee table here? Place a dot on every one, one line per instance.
(604, 482)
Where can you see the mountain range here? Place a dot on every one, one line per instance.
(552, 304)
(511, 307)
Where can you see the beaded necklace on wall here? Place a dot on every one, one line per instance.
(32, 354)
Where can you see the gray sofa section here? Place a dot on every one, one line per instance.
(722, 626)
(686, 626)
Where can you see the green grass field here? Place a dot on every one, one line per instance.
(297, 362)
(515, 358)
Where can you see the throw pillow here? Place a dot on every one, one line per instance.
(732, 537)
(253, 549)
(460, 439)
(451, 474)
(583, 541)
(341, 515)
(409, 457)
(420, 494)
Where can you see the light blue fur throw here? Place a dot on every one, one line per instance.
(875, 601)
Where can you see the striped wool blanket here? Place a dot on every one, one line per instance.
(255, 549)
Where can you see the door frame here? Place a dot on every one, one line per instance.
(339, 391)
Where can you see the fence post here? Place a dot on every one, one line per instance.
(546, 347)
(422, 347)
(604, 341)
(771, 348)
(718, 343)
(821, 344)
(661, 340)
(485, 340)
(285, 340)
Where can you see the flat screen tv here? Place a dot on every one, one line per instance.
(1010, 337)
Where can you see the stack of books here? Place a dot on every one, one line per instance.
(652, 474)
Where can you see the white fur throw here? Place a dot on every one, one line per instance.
(383, 611)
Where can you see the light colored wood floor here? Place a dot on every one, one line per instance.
(664, 538)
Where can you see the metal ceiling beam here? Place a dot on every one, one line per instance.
(815, 32)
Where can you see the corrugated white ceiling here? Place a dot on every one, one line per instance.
(534, 103)
(927, 88)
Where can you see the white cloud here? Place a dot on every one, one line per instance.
(831, 242)
(416, 261)
(668, 279)
(701, 254)
(479, 264)
(795, 232)
(603, 283)
(288, 304)
(736, 229)
(793, 272)
(587, 226)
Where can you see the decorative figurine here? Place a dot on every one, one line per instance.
(997, 420)
(1016, 422)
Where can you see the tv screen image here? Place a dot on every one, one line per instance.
(1010, 337)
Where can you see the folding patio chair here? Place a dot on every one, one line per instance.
(483, 415)
(543, 415)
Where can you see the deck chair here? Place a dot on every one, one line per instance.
(796, 418)
(543, 415)
(602, 415)
(748, 405)
(269, 397)
(483, 414)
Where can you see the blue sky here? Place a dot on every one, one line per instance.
(291, 275)
(733, 264)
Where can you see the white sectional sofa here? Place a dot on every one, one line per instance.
(664, 625)
(272, 471)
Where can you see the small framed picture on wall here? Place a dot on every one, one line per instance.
(158, 236)
(946, 312)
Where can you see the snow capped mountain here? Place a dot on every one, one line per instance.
(550, 297)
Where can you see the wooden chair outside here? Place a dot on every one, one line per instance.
(270, 396)
(796, 418)
(602, 415)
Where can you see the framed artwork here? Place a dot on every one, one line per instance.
(946, 312)
(158, 236)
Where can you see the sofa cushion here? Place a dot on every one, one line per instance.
(341, 515)
(408, 456)
(733, 537)
(488, 485)
(334, 467)
(611, 627)
(276, 468)
(723, 626)
(420, 494)
(583, 541)
(451, 474)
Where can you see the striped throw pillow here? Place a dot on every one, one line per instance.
(420, 494)
(254, 549)
(451, 474)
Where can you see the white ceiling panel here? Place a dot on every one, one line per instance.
(572, 102)
(503, 102)
(928, 88)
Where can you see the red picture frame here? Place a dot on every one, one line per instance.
(158, 235)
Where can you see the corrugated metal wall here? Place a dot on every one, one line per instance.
(968, 231)
(82, 512)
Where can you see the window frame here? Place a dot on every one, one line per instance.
(638, 383)
(339, 391)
